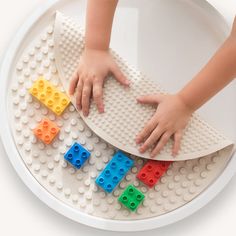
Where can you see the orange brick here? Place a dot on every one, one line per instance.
(46, 131)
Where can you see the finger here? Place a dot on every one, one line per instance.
(163, 141)
(86, 94)
(97, 95)
(146, 131)
(177, 140)
(73, 83)
(120, 77)
(155, 135)
(150, 99)
(79, 90)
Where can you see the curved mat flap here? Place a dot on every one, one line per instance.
(124, 117)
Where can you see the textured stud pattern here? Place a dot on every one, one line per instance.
(49, 96)
(46, 131)
(152, 172)
(114, 172)
(131, 198)
(182, 182)
(124, 117)
(77, 155)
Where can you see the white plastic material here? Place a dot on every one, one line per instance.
(186, 187)
(124, 118)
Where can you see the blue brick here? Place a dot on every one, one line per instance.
(114, 172)
(77, 155)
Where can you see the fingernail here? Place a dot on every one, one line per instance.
(101, 110)
(137, 140)
(141, 150)
(174, 154)
(127, 82)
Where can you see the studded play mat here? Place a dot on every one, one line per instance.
(37, 100)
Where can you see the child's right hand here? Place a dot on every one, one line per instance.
(88, 79)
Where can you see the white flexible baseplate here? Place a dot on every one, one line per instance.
(183, 181)
(124, 117)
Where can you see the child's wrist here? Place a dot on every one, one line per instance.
(185, 102)
(88, 48)
(99, 46)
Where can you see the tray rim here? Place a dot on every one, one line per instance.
(64, 209)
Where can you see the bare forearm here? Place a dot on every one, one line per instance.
(218, 72)
(99, 21)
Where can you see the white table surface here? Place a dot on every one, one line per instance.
(21, 213)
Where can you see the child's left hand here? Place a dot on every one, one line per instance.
(171, 117)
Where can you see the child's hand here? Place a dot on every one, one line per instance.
(88, 80)
(171, 117)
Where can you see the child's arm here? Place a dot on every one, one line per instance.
(173, 111)
(219, 72)
(96, 62)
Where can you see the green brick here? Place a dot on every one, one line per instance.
(131, 198)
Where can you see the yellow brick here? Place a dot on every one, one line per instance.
(50, 96)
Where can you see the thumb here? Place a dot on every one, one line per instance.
(150, 99)
(119, 76)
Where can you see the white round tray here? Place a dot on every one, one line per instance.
(137, 54)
